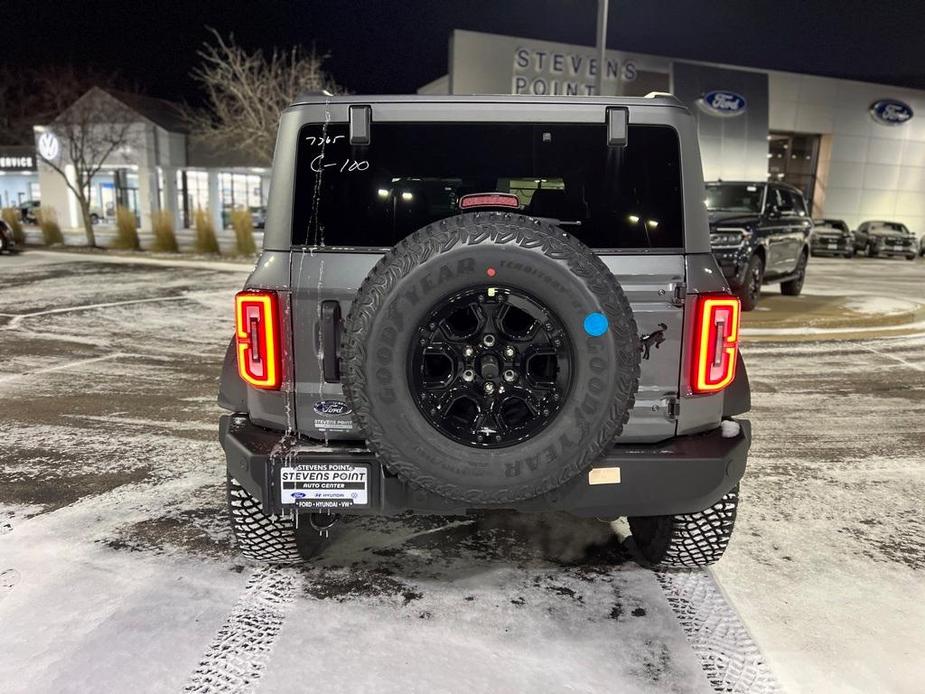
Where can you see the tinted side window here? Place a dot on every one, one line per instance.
(412, 174)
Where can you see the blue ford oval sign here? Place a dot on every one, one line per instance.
(332, 407)
(890, 111)
(724, 103)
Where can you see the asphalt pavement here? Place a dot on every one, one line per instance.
(117, 569)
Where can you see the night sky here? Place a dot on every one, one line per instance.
(382, 47)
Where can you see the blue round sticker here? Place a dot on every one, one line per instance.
(595, 324)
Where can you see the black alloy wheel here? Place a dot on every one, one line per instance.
(795, 286)
(750, 290)
(490, 367)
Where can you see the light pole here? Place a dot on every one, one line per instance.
(601, 44)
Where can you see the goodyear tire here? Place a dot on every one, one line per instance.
(686, 541)
(474, 252)
(269, 539)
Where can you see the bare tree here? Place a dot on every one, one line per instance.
(247, 91)
(85, 135)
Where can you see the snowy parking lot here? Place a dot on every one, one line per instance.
(118, 571)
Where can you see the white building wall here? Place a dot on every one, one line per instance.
(867, 170)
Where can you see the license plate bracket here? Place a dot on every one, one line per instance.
(324, 486)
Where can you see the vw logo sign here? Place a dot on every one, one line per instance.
(890, 111)
(332, 407)
(723, 103)
(49, 147)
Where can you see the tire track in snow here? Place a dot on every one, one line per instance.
(237, 657)
(729, 656)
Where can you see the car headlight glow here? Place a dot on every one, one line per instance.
(727, 238)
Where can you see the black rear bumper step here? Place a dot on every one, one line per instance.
(681, 475)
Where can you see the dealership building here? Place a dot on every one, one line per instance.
(856, 149)
(159, 166)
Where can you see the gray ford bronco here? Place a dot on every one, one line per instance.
(475, 303)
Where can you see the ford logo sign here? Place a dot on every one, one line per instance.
(723, 103)
(890, 111)
(332, 407)
(298, 495)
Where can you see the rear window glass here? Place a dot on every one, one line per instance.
(413, 174)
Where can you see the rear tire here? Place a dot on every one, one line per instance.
(795, 286)
(749, 292)
(269, 539)
(687, 541)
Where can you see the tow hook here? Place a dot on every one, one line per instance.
(653, 339)
(323, 522)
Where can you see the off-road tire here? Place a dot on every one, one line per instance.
(263, 538)
(795, 286)
(454, 255)
(748, 293)
(687, 541)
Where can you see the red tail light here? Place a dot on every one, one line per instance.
(717, 341)
(257, 335)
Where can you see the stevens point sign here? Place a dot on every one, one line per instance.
(493, 64)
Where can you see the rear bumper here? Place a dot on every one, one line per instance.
(682, 475)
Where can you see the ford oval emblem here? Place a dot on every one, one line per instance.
(890, 111)
(720, 102)
(332, 407)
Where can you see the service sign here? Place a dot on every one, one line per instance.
(890, 111)
(723, 103)
(17, 159)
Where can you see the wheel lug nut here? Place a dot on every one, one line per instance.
(489, 387)
(510, 376)
(497, 437)
(432, 326)
(545, 413)
(488, 340)
(557, 342)
(480, 438)
(509, 352)
(468, 351)
(468, 375)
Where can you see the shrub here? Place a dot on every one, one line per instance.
(48, 223)
(243, 225)
(205, 233)
(11, 217)
(165, 240)
(126, 230)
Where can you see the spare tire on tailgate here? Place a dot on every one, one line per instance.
(490, 358)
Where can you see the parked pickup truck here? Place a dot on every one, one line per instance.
(760, 235)
(476, 303)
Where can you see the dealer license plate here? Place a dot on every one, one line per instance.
(324, 485)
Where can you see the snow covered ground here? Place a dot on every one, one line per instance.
(117, 570)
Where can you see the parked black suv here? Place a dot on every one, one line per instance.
(876, 238)
(474, 303)
(831, 237)
(759, 232)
